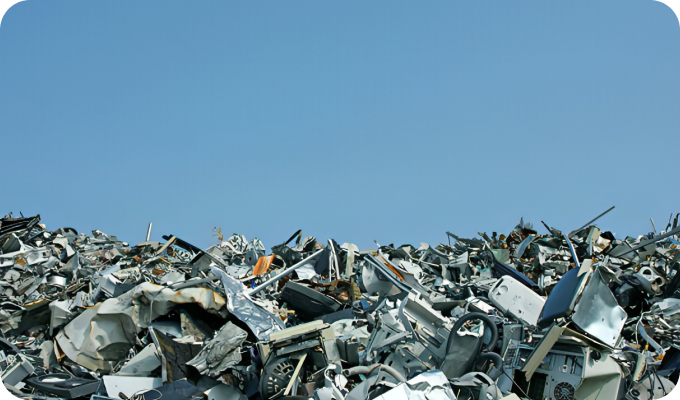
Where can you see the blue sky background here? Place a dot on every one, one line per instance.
(358, 120)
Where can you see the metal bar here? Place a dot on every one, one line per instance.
(573, 253)
(590, 222)
(294, 378)
(548, 228)
(650, 241)
(282, 274)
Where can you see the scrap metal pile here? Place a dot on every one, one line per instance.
(524, 315)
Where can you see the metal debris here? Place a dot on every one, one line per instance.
(582, 315)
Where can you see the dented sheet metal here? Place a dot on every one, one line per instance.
(598, 313)
(239, 303)
(221, 352)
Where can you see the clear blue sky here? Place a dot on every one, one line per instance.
(357, 120)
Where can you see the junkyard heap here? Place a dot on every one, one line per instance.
(563, 315)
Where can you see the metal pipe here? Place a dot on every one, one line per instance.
(650, 241)
(282, 274)
(590, 222)
(571, 250)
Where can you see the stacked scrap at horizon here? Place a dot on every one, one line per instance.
(560, 315)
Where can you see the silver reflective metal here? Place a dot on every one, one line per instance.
(598, 312)
(239, 303)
